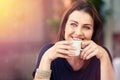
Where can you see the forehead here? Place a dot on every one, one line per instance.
(80, 16)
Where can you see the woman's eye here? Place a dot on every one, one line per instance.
(73, 24)
(87, 27)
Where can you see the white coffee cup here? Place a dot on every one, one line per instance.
(77, 44)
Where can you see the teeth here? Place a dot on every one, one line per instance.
(76, 39)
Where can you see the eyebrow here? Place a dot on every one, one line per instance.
(84, 24)
(74, 21)
(88, 25)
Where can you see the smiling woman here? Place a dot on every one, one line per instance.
(57, 61)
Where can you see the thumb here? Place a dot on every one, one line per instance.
(85, 43)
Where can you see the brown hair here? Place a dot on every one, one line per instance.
(88, 8)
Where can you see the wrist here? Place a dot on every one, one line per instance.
(46, 58)
(104, 57)
(45, 64)
(48, 55)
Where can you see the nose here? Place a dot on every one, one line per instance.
(79, 32)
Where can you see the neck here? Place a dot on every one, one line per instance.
(76, 63)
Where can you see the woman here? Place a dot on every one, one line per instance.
(57, 61)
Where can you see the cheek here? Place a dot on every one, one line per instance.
(68, 31)
(88, 35)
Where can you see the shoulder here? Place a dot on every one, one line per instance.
(44, 49)
(47, 46)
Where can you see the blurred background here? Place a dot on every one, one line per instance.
(26, 25)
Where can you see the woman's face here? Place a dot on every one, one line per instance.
(79, 26)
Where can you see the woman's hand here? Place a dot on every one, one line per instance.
(61, 49)
(91, 49)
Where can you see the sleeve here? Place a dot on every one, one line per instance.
(42, 51)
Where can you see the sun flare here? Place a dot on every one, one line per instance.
(15, 16)
(6, 13)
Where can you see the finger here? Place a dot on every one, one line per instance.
(86, 49)
(85, 43)
(91, 55)
(66, 47)
(63, 56)
(83, 53)
(62, 51)
(88, 52)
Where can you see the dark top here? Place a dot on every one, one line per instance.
(61, 69)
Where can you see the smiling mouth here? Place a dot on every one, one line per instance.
(77, 39)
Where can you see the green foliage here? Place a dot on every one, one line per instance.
(98, 4)
(54, 23)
